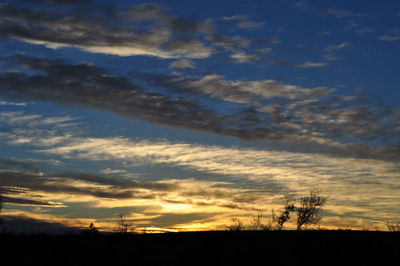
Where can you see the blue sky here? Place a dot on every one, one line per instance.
(184, 114)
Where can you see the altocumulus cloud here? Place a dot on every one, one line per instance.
(135, 30)
(304, 116)
(313, 117)
(91, 86)
(108, 31)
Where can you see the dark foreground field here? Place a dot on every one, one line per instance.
(205, 248)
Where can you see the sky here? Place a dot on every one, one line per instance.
(181, 114)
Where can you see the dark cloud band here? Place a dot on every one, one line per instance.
(299, 118)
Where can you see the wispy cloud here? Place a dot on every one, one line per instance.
(268, 166)
(108, 171)
(94, 33)
(182, 64)
(243, 22)
(5, 103)
(331, 49)
(21, 201)
(230, 43)
(340, 13)
(24, 188)
(26, 166)
(307, 64)
(173, 196)
(364, 30)
(325, 33)
(242, 57)
(390, 36)
(273, 172)
(304, 5)
(339, 46)
(17, 117)
(239, 47)
(279, 171)
(246, 180)
(36, 120)
(299, 136)
(331, 57)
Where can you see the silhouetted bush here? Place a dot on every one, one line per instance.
(393, 227)
(257, 224)
(236, 225)
(91, 230)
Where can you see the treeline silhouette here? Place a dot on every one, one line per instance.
(286, 247)
(306, 211)
(260, 243)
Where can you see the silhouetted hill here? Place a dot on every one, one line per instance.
(205, 248)
(20, 224)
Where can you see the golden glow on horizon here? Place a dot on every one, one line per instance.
(188, 199)
(253, 182)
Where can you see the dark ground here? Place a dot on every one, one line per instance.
(205, 248)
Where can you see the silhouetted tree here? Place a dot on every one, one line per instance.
(91, 230)
(310, 209)
(236, 225)
(123, 225)
(284, 215)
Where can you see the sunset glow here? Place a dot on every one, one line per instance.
(181, 115)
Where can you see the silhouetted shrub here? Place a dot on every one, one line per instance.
(91, 230)
(257, 224)
(393, 227)
(236, 225)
